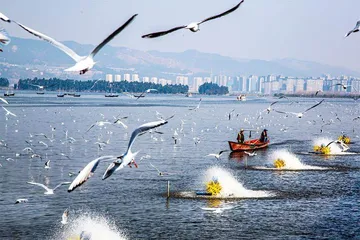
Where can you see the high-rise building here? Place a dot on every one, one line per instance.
(154, 80)
(290, 85)
(135, 78)
(299, 86)
(146, 79)
(117, 78)
(313, 85)
(198, 81)
(109, 78)
(182, 80)
(127, 77)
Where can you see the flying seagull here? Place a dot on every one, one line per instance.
(356, 29)
(4, 37)
(8, 112)
(340, 84)
(250, 154)
(4, 18)
(144, 92)
(48, 190)
(128, 157)
(301, 114)
(218, 155)
(269, 108)
(86, 173)
(197, 107)
(83, 63)
(194, 26)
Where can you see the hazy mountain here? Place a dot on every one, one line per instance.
(35, 58)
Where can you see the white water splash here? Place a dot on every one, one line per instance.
(98, 227)
(334, 148)
(231, 187)
(292, 162)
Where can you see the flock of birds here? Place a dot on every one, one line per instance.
(85, 63)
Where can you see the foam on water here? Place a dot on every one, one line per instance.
(334, 148)
(292, 162)
(98, 227)
(231, 187)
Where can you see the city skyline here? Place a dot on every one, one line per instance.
(312, 30)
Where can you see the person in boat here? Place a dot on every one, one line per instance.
(263, 136)
(241, 137)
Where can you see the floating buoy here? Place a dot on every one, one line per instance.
(322, 149)
(279, 163)
(345, 139)
(213, 187)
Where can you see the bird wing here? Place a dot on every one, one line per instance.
(4, 18)
(281, 112)
(274, 103)
(90, 128)
(111, 36)
(212, 155)
(4, 37)
(155, 168)
(3, 100)
(60, 184)
(123, 124)
(40, 185)
(221, 152)
(144, 128)
(52, 41)
(222, 14)
(158, 34)
(8, 112)
(142, 94)
(314, 106)
(84, 174)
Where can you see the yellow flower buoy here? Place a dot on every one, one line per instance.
(322, 149)
(213, 187)
(345, 139)
(279, 163)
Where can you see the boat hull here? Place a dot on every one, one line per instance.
(250, 145)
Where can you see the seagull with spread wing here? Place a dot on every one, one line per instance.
(4, 18)
(8, 112)
(356, 29)
(128, 157)
(48, 190)
(197, 107)
(217, 155)
(194, 26)
(301, 114)
(83, 63)
(144, 92)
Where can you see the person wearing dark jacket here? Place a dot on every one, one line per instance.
(241, 137)
(263, 136)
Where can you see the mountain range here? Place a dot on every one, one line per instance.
(28, 58)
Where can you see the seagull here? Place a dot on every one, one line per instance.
(4, 18)
(197, 107)
(99, 124)
(269, 108)
(144, 92)
(118, 121)
(8, 112)
(217, 156)
(128, 157)
(83, 63)
(160, 173)
(4, 37)
(3, 100)
(38, 86)
(21, 200)
(356, 29)
(65, 215)
(48, 190)
(194, 26)
(317, 92)
(41, 142)
(230, 114)
(250, 154)
(340, 84)
(47, 164)
(86, 173)
(301, 114)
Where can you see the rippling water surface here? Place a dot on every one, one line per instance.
(132, 203)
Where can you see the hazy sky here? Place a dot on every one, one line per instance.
(260, 29)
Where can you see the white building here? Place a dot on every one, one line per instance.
(109, 78)
(127, 77)
(146, 79)
(135, 78)
(117, 78)
(154, 80)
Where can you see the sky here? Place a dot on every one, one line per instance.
(310, 30)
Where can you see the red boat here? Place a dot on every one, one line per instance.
(250, 145)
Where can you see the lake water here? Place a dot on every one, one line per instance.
(132, 204)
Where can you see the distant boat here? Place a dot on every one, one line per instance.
(40, 93)
(111, 95)
(60, 95)
(9, 94)
(139, 96)
(241, 97)
(76, 95)
(188, 95)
